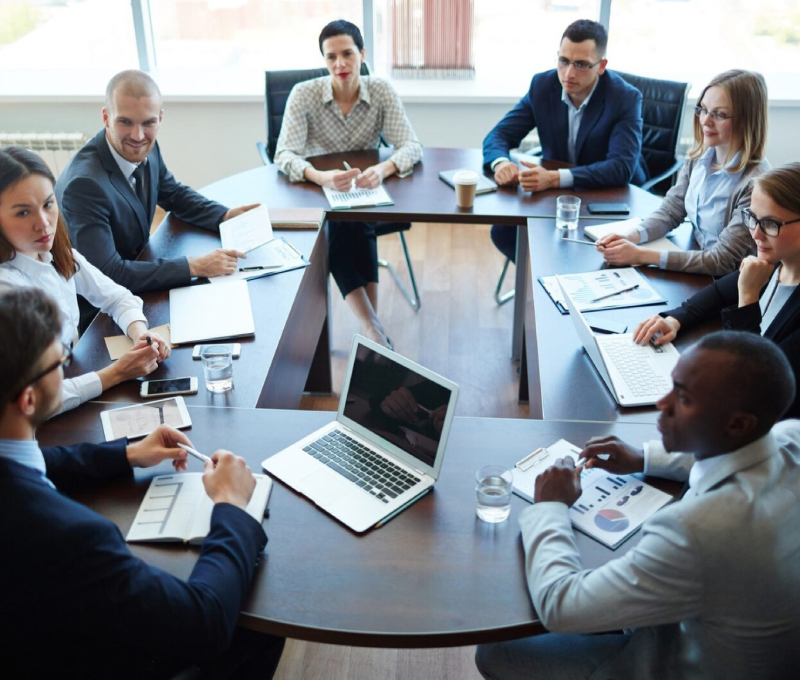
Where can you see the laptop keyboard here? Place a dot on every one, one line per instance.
(631, 360)
(351, 459)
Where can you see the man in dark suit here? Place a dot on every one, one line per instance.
(585, 116)
(109, 191)
(75, 602)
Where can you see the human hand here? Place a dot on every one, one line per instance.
(229, 479)
(650, 328)
(235, 212)
(341, 180)
(753, 276)
(161, 444)
(536, 178)
(622, 252)
(141, 360)
(371, 178)
(632, 236)
(215, 263)
(622, 459)
(560, 483)
(401, 405)
(141, 333)
(506, 174)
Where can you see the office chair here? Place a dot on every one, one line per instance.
(662, 113)
(277, 86)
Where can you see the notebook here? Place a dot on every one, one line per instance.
(597, 231)
(485, 185)
(207, 312)
(636, 375)
(386, 446)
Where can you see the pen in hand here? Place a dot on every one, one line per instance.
(616, 292)
(196, 453)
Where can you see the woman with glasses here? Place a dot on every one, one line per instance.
(35, 250)
(730, 132)
(762, 296)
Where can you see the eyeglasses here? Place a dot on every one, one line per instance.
(563, 62)
(65, 360)
(769, 227)
(716, 116)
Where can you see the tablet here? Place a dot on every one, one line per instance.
(140, 420)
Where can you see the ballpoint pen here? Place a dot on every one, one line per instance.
(196, 453)
(259, 268)
(616, 292)
(578, 240)
(347, 166)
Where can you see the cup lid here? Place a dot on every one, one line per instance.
(465, 177)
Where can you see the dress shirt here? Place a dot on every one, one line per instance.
(772, 300)
(574, 117)
(126, 167)
(25, 452)
(313, 124)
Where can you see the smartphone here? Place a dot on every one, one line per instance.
(236, 349)
(605, 326)
(608, 209)
(169, 386)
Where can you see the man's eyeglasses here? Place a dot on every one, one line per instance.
(565, 63)
(65, 360)
(716, 116)
(768, 226)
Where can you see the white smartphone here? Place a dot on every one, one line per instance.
(236, 349)
(141, 419)
(169, 387)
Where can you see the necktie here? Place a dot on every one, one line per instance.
(141, 184)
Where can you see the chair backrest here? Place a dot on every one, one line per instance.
(277, 86)
(663, 104)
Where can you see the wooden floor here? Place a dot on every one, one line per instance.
(460, 333)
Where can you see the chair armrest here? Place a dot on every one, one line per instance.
(649, 184)
(262, 152)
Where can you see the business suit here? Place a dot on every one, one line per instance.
(110, 226)
(721, 300)
(712, 588)
(608, 148)
(76, 603)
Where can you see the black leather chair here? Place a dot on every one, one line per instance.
(277, 86)
(663, 104)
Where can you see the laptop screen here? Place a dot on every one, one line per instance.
(397, 403)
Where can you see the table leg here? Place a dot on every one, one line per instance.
(521, 295)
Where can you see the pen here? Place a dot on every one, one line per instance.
(578, 240)
(195, 453)
(259, 268)
(616, 292)
(347, 166)
(149, 340)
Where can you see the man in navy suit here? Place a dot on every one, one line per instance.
(585, 116)
(75, 602)
(109, 191)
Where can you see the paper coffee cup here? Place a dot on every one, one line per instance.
(466, 183)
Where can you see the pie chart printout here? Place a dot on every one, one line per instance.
(612, 521)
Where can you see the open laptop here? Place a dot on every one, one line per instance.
(386, 446)
(636, 375)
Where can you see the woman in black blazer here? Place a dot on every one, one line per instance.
(763, 296)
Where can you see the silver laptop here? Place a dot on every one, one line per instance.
(386, 446)
(636, 375)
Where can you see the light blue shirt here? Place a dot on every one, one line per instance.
(774, 298)
(25, 452)
(574, 117)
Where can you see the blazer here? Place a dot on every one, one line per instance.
(734, 242)
(711, 589)
(110, 227)
(76, 603)
(721, 299)
(609, 144)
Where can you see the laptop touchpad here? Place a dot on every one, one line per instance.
(325, 487)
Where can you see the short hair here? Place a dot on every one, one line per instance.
(586, 29)
(16, 164)
(341, 27)
(747, 91)
(763, 383)
(29, 323)
(132, 83)
(782, 185)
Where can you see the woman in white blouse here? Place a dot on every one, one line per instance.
(712, 188)
(35, 250)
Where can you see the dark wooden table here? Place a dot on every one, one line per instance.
(434, 576)
(562, 381)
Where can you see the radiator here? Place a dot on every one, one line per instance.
(56, 148)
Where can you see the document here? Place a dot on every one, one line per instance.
(610, 509)
(603, 289)
(597, 231)
(357, 198)
(275, 257)
(117, 345)
(247, 231)
(177, 508)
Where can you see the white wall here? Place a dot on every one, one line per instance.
(206, 141)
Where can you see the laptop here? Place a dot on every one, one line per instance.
(636, 375)
(386, 446)
(210, 312)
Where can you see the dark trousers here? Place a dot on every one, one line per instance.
(352, 254)
(505, 238)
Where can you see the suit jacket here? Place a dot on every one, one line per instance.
(721, 299)
(76, 603)
(713, 586)
(609, 144)
(110, 226)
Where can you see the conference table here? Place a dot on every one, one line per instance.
(433, 576)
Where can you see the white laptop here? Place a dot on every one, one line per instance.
(206, 312)
(385, 448)
(636, 375)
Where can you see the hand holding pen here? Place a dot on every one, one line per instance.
(343, 180)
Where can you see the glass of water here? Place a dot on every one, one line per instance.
(567, 210)
(493, 489)
(218, 367)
